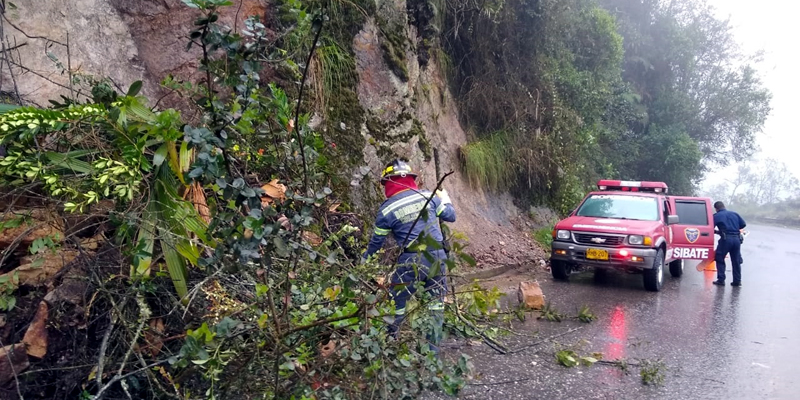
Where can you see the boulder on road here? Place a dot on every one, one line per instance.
(531, 295)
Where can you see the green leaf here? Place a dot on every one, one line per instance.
(145, 241)
(70, 161)
(189, 251)
(7, 107)
(176, 265)
(160, 155)
(185, 157)
(135, 88)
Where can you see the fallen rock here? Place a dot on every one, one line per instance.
(531, 295)
(40, 222)
(93, 243)
(327, 349)
(35, 338)
(71, 290)
(36, 270)
(13, 360)
(154, 335)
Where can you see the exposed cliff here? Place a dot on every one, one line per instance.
(378, 88)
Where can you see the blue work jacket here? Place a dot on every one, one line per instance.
(397, 214)
(728, 222)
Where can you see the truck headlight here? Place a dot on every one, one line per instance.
(636, 240)
(563, 234)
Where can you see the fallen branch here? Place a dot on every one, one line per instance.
(534, 344)
(500, 383)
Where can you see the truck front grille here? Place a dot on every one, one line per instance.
(607, 240)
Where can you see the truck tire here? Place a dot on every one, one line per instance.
(560, 270)
(676, 268)
(654, 277)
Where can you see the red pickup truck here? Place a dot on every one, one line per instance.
(636, 227)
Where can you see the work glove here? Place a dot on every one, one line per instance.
(444, 197)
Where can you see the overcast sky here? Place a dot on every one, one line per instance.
(772, 26)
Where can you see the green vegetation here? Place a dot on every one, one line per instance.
(239, 279)
(485, 162)
(589, 89)
(585, 315)
(652, 372)
(544, 237)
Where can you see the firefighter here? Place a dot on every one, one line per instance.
(404, 203)
(728, 225)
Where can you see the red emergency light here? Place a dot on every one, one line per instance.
(633, 186)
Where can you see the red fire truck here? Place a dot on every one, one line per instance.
(636, 227)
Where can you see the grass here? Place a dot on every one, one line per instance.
(338, 66)
(544, 236)
(652, 372)
(486, 162)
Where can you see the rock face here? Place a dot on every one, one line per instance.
(408, 109)
(123, 40)
(531, 295)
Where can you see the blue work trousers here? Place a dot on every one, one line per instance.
(413, 268)
(729, 244)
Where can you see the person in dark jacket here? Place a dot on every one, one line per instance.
(729, 226)
(397, 216)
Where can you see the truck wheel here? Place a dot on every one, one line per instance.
(654, 277)
(560, 270)
(676, 268)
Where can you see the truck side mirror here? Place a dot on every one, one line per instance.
(672, 220)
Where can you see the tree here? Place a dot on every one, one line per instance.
(689, 73)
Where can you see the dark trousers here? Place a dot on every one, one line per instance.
(730, 244)
(413, 268)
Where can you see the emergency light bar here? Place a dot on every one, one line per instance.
(633, 186)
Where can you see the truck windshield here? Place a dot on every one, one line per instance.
(621, 207)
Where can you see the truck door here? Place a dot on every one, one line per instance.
(692, 238)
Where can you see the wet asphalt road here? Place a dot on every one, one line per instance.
(715, 342)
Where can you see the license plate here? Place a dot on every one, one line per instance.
(597, 254)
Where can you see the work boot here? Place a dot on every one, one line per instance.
(719, 283)
(737, 284)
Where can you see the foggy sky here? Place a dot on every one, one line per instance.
(771, 26)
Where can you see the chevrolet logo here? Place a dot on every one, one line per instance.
(598, 240)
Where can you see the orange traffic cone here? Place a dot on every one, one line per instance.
(707, 265)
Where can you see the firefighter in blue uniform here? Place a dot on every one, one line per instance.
(396, 216)
(729, 226)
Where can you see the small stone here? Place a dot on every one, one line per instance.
(327, 349)
(35, 338)
(342, 125)
(13, 360)
(531, 295)
(502, 243)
